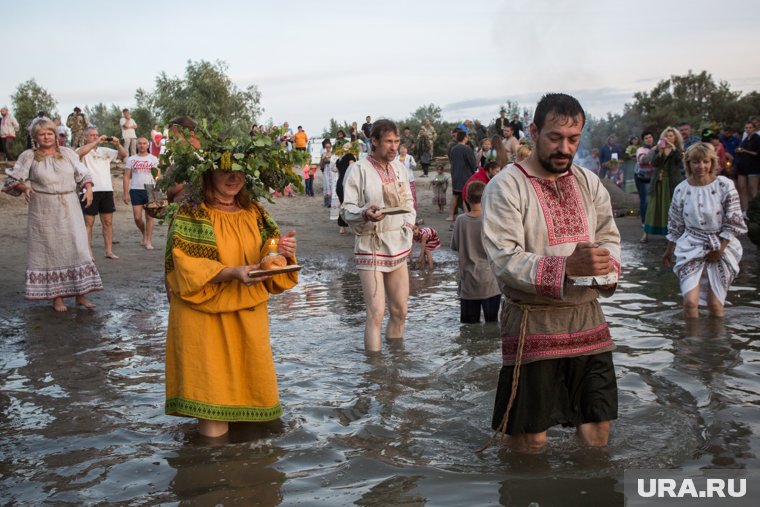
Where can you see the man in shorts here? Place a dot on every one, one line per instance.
(137, 175)
(546, 224)
(98, 159)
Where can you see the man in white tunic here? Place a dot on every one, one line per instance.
(547, 222)
(383, 241)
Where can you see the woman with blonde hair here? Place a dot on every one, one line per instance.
(704, 221)
(58, 261)
(666, 158)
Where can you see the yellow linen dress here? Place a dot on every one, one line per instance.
(219, 362)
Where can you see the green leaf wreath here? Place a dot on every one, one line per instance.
(267, 164)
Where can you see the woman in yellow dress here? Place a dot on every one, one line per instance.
(219, 365)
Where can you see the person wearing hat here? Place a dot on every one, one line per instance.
(77, 122)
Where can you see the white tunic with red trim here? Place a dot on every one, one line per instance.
(385, 245)
(530, 227)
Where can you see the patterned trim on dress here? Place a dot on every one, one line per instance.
(550, 276)
(551, 346)
(563, 210)
(193, 233)
(380, 260)
(190, 408)
(62, 282)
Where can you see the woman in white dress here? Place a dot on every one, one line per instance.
(704, 221)
(58, 263)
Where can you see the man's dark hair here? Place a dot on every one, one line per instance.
(183, 121)
(683, 124)
(559, 104)
(125, 110)
(461, 135)
(77, 110)
(475, 191)
(646, 133)
(381, 127)
(492, 164)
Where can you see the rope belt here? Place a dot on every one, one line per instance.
(527, 310)
(53, 193)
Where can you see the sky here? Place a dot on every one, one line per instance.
(313, 61)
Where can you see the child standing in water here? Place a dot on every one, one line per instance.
(440, 184)
(428, 239)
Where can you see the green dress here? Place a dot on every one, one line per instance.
(661, 190)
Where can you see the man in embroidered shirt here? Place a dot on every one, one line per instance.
(545, 222)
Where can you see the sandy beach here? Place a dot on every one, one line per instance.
(318, 238)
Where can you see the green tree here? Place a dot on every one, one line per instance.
(695, 98)
(422, 113)
(29, 99)
(205, 91)
(104, 118)
(334, 126)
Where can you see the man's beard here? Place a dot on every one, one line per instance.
(546, 163)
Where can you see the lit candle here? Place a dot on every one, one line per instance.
(272, 247)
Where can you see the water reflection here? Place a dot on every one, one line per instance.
(81, 404)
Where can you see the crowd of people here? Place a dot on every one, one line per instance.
(534, 233)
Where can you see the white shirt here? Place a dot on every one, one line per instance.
(141, 168)
(128, 128)
(410, 165)
(98, 161)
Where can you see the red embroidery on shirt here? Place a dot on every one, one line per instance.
(550, 346)
(550, 274)
(562, 206)
(387, 174)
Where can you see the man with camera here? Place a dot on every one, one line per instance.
(77, 122)
(98, 159)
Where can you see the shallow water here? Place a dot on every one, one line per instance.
(82, 418)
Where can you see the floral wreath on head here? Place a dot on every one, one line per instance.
(266, 163)
(346, 147)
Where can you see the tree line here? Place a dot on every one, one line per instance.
(205, 91)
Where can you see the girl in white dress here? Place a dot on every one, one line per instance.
(704, 221)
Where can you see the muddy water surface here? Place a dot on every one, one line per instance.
(82, 423)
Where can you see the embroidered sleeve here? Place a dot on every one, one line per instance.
(19, 173)
(550, 276)
(732, 223)
(676, 225)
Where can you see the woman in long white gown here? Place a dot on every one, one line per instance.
(704, 221)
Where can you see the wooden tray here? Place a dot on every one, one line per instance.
(394, 211)
(269, 272)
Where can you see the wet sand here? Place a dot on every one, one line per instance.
(318, 239)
